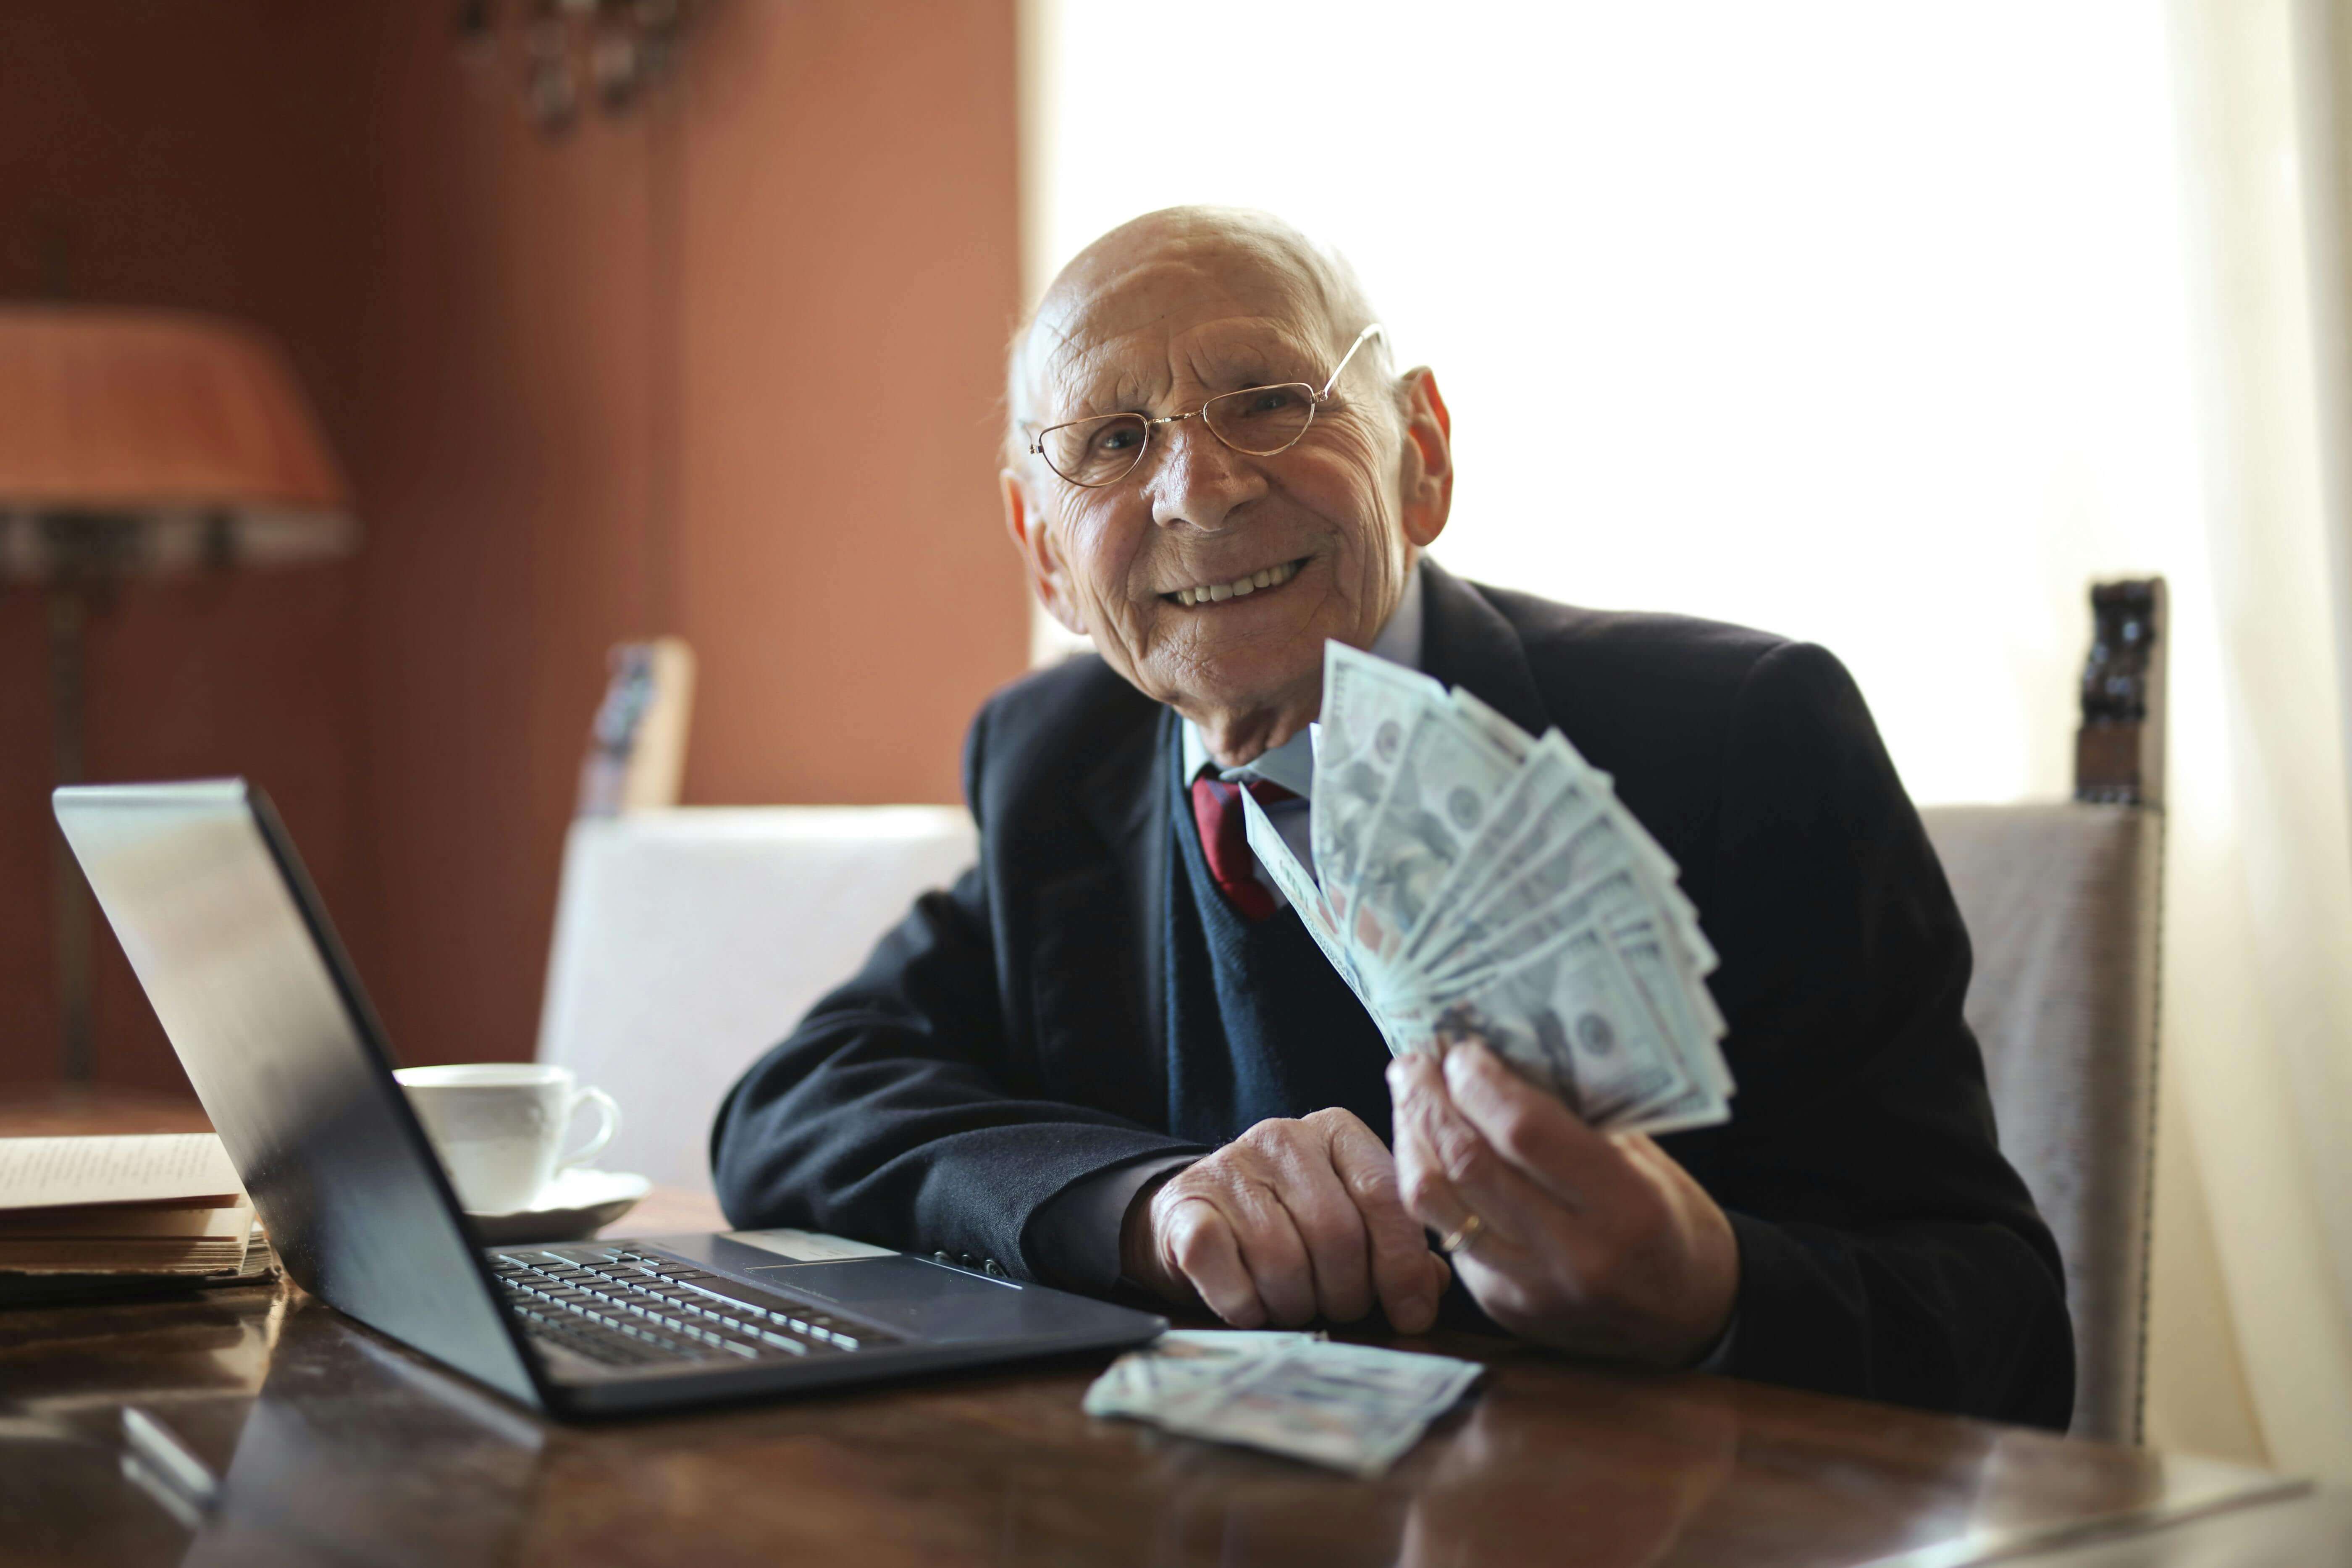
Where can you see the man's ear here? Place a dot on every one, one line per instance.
(1047, 580)
(1425, 464)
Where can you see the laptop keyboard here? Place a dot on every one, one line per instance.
(627, 1309)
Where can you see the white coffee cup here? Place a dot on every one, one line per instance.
(498, 1127)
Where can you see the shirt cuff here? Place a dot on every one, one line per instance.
(1719, 1359)
(1073, 1236)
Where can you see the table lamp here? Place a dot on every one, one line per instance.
(136, 442)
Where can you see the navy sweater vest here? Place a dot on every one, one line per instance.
(1259, 1024)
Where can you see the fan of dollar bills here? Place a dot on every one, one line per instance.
(1472, 879)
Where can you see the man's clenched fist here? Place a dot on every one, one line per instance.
(1291, 1221)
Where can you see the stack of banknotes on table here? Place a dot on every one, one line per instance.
(1352, 1407)
(1470, 880)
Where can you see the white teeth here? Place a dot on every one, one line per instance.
(1218, 593)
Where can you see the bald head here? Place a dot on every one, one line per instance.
(1122, 280)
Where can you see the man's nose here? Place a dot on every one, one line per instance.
(1199, 481)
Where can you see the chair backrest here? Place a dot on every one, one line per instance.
(2063, 903)
(688, 941)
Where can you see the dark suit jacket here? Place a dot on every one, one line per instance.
(1004, 1041)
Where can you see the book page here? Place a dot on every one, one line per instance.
(184, 1256)
(152, 1221)
(187, 1168)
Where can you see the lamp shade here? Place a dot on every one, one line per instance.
(185, 437)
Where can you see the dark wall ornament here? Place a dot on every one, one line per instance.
(2119, 750)
(568, 57)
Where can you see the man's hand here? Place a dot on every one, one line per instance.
(1291, 1221)
(1592, 1242)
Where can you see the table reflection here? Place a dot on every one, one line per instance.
(63, 1496)
(356, 1452)
(333, 1445)
(1513, 1476)
(1507, 1488)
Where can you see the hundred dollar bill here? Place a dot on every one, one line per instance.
(1368, 708)
(1644, 947)
(1265, 841)
(1608, 909)
(1550, 859)
(1655, 958)
(1444, 786)
(1616, 900)
(1591, 792)
(1611, 893)
(1609, 905)
(1182, 1360)
(1570, 1017)
(1553, 792)
(1351, 1408)
(1513, 740)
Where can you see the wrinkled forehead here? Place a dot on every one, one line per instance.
(1180, 320)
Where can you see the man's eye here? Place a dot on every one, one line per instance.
(1272, 400)
(1119, 438)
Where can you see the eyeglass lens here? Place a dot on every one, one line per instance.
(1097, 451)
(1259, 420)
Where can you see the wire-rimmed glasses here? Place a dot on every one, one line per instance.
(1257, 420)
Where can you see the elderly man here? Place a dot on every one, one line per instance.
(1110, 1060)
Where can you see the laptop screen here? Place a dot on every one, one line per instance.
(233, 946)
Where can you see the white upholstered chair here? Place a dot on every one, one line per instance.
(688, 942)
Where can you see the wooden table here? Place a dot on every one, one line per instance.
(333, 1444)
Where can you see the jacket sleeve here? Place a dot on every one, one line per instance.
(1887, 1248)
(894, 1113)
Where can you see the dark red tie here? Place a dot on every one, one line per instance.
(1225, 839)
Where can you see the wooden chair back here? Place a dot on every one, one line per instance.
(2063, 901)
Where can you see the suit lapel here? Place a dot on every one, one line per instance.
(1467, 642)
(1125, 801)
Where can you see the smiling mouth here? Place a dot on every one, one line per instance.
(1239, 588)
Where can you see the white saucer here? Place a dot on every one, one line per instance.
(575, 1205)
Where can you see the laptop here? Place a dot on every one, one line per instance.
(228, 937)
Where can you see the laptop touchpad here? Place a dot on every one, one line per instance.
(932, 1300)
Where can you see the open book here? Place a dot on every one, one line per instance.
(161, 1207)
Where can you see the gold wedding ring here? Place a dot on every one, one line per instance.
(1461, 1236)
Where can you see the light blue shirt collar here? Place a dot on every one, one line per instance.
(1291, 764)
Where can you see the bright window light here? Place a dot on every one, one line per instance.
(1861, 323)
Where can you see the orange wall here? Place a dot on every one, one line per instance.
(200, 156)
(659, 376)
